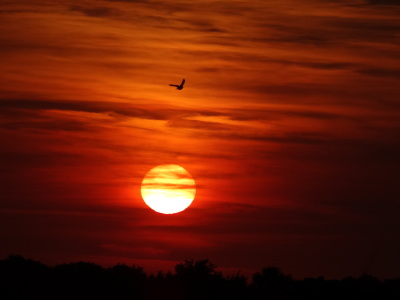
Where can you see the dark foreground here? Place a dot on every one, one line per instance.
(22, 278)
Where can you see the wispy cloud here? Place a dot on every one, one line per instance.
(383, 2)
(381, 72)
(99, 11)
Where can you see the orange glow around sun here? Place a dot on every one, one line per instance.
(168, 189)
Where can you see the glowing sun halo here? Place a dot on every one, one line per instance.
(168, 189)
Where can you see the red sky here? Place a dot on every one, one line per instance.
(288, 122)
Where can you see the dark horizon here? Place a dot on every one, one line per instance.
(228, 273)
(191, 279)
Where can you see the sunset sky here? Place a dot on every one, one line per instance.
(288, 123)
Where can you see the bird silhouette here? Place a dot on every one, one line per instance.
(179, 87)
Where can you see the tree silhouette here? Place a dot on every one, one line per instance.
(79, 280)
(127, 282)
(235, 287)
(22, 278)
(197, 269)
(199, 279)
(271, 283)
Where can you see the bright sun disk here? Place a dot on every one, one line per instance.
(168, 189)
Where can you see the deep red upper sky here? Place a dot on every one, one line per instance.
(288, 122)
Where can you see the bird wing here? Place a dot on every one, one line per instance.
(183, 82)
(174, 85)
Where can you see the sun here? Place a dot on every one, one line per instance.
(168, 189)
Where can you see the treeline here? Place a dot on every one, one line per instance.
(22, 278)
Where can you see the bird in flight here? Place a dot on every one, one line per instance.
(179, 87)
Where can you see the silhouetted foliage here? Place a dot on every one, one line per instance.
(271, 283)
(199, 279)
(81, 279)
(127, 282)
(22, 278)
